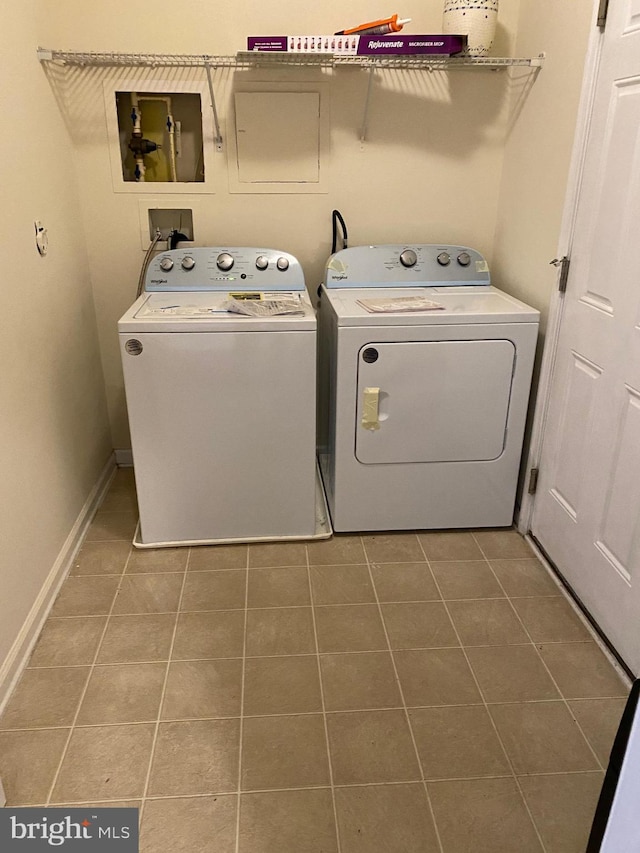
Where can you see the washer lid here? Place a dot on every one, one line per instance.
(459, 305)
(203, 311)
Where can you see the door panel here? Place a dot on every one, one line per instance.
(587, 509)
(433, 401)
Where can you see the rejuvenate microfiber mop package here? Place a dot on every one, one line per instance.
(363, 45)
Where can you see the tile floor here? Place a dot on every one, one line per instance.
(400, 693)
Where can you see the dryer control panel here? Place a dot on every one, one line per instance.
(398, 265)
(224, 268)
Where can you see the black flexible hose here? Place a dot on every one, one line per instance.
(336, 217)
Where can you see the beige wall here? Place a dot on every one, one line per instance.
(55, 438)
(538, 150)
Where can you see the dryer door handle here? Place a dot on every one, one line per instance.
(370, 408)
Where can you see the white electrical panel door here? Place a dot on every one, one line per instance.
(223, 433)
(433, 401)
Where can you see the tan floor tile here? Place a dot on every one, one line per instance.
(284, 752)
(203, 688)
(120, 500)
(582, 671)
(502, 544)
(491, 622)
(45, 698)
(102, 804)
(550, 620)
(450, 545)
(124, 479)
(358, 681)
(68, 642)
(287, 822)
(482, 816)
(207, 558)
(148, 594)
(198, 757)
(436, 677)
(371, 746)
(542, 737)
(108, 526)
(339, 550)
(563, 808)
(284, 631)
(523, 578)
(219, 634)
(349, 628)
(105, 763)
(599, 720)
(28, 764)
(101, 558)
(466, 579)
(511, 674)
(281, 685)
(220, 590)
(189, 825)
(137, 638)
(393, 548)
(457, 743)
(418, 625)
(86, 596)
(128, 693)
(404, 582)
(277, 554)
(341, 585)
(158, 561)
(286, 587)
(389, 818)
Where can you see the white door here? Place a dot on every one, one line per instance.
(587, 509)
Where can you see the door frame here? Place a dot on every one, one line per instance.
(565, 244)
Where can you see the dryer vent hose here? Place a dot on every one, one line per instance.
(336, 217)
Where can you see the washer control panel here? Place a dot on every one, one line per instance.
(224, 268)
(397, 265)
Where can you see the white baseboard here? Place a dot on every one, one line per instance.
(124, 458)
(16, 660)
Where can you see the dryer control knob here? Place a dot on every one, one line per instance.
(408, 258)
(188, 263)
(282, 264)
(224, 261)
(261, 262)
(444, 259)
(464, 259)
(166, 264)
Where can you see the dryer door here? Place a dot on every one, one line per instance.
(433, 401)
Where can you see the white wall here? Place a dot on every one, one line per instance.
(54, 428)
(429, 170)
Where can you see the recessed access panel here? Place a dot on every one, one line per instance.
(433, 401)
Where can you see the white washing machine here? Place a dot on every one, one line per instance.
(422, 410)
(222, 406)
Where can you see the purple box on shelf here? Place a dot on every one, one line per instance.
(404, 45)
(354, 45)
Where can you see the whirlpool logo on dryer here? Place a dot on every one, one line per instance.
(103, 830)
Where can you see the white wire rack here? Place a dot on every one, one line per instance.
(278, 59)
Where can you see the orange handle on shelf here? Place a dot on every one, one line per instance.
(394, 26)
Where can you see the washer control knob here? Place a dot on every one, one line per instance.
(224, 261)
(166, 264)
(464, 259)
(408, 258)
(188, 263)
(444, 259)
(282, 264)
(261, 262)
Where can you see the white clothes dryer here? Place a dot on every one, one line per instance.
(422, 409)
(222, 406)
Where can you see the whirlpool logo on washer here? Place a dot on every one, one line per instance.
(103, 830)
